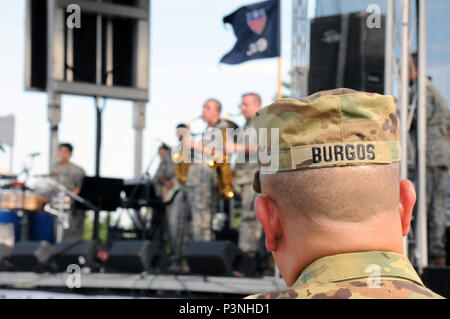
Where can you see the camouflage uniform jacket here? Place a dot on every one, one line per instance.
(244, 172)
(165, 169)
(437, 150)
(70, 175)
(362, 275)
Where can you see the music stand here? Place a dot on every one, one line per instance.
(103, 193)
(142, 193)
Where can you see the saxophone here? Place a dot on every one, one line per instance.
(181, 161)
(180, 168)
(223, 170)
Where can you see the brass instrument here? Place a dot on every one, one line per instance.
(181, 163)
(223, 170)
(224, 173)
(180, 168)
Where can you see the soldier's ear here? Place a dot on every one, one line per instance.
(269, 216)
(406, 204)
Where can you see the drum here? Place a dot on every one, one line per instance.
(41, 227)
(15, 200)
(11, 217)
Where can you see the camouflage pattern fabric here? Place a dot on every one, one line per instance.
(177, 221)
(362, 275)
(437, 147)
(203, 197)
(166, 170)
(331, 128)
(250, 230)
(244, 172)
(437, 161)
(70, 175)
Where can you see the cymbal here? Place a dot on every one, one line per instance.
(47, 175)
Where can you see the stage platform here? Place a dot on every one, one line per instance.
(183, 284)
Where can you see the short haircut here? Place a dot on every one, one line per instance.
(340, 194)
(256, 96)
(217, 103)
(164, 146)
(181, 125)
(66, 145)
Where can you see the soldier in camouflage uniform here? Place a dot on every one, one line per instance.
(250, 229)
(201, 180)
(164, 180)
(71, 176)
(437, 162)
(164, 174)
(332, 207)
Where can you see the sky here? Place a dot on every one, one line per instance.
(188, 39)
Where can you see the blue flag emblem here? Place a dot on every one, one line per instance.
(256, 20)
(257, 29)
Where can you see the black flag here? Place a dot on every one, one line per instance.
(257, 28)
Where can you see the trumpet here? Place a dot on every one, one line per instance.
(226, 116)
(182, 164)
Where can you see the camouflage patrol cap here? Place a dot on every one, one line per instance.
(330, 128)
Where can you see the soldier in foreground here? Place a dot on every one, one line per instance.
(333, 210)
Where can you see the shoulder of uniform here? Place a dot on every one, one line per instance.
(356, 289)
(305, 291)
(77, 168)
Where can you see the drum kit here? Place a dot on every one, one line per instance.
(45, 195)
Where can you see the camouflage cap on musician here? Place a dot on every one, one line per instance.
(330, 128)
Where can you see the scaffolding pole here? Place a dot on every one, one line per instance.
(421, 225)
(389, 48)
(299, 52)
(404, 80)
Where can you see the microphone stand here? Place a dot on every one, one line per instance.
(61, 216)
(22, 212)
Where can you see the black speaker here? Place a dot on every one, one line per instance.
(447, 244)
(217, 258)
(37, 45)
(80, 253)
(345, 52)
(437, 279)
(132, 256)
(5, 252)
(30, 256)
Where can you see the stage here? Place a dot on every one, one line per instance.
(136, 284)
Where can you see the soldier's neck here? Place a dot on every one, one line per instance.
(63, 163)
(339, 238)
(213, 123)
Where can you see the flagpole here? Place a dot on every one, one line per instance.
(280, 84)
(279, 95)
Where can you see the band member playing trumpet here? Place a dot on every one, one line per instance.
(201, 179)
